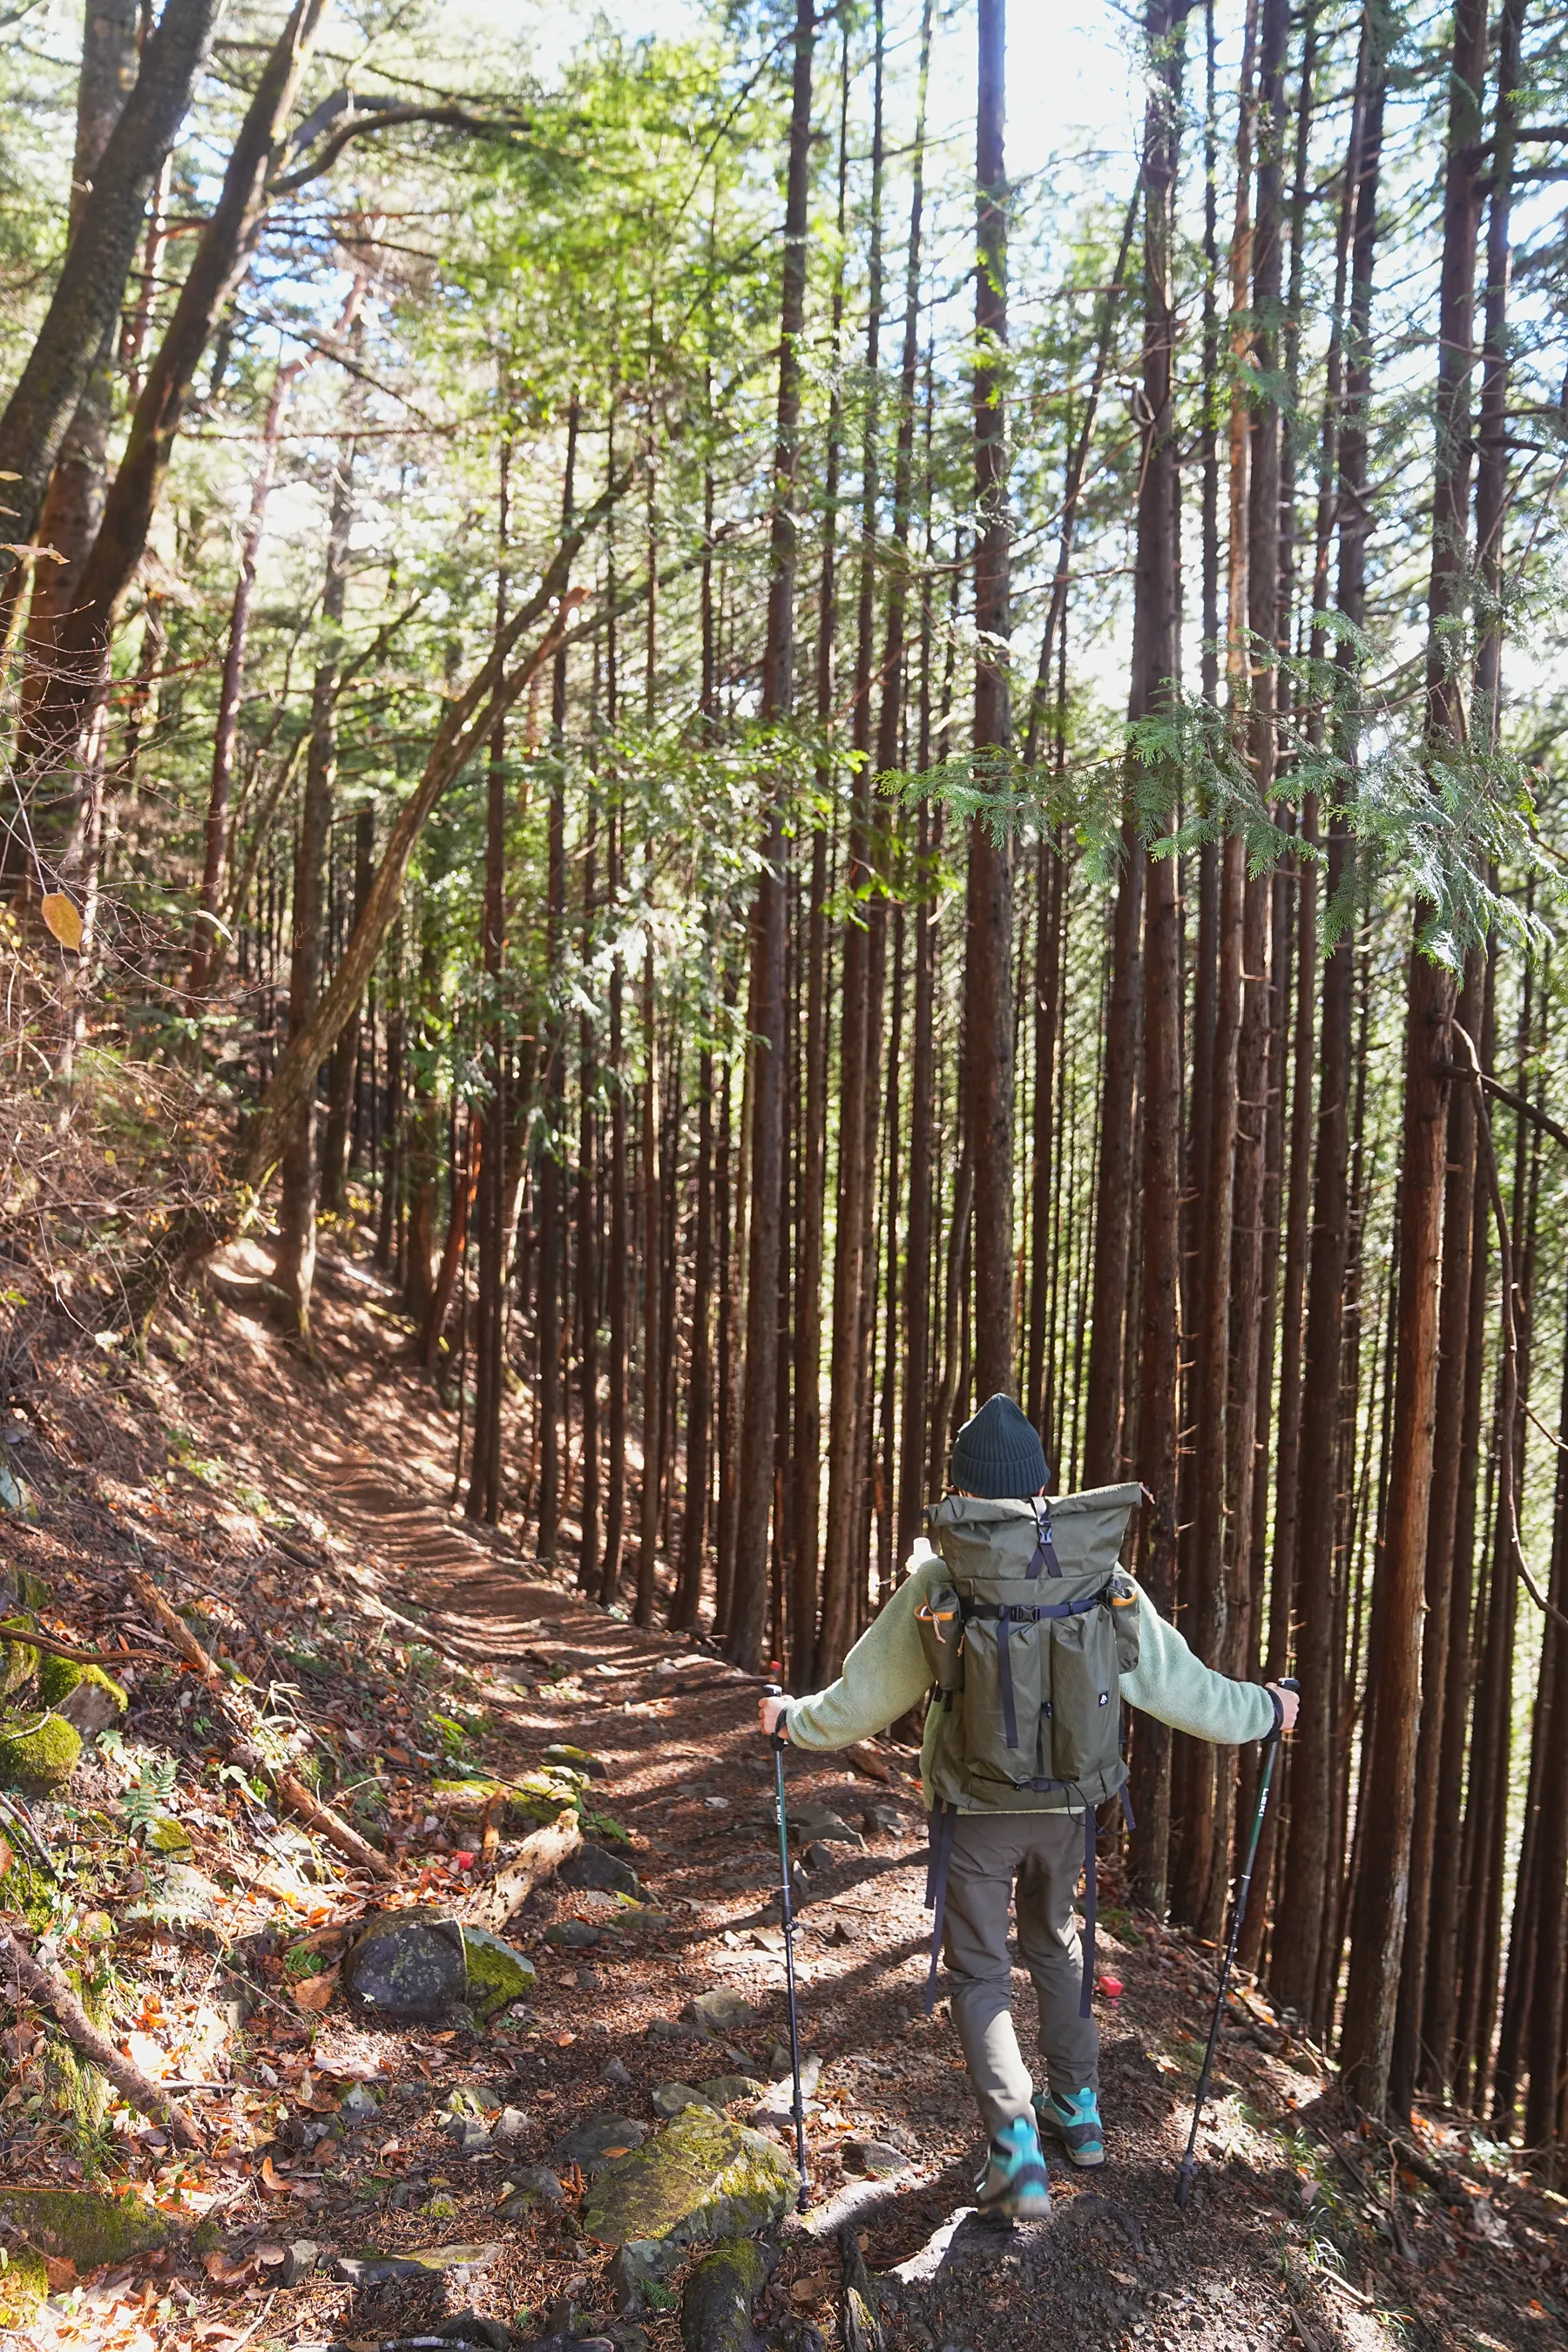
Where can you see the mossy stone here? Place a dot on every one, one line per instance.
(18, 1660)
(497, 1973)
(579, 1760)
(87, 1697)
(716, 2308)
(165, 1834)
(75, 2225)
(701, 2178)
(38, 1754)
(24, 2287)
(538, 1797)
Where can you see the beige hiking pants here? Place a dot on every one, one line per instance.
(1043, 1853)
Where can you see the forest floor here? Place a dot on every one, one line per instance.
(299, 1518)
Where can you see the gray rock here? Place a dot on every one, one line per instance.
(589, 1981)
(468, 2328)
(593, 1866)
(90, 1707)
(673, 2099)
(638, 2264)
(674, 2029)
(534, 2185)
(716, 2308)
(819, 1855)
(723, 2090)
(616, 2075)
(359, 2105)
(882, 1820)
(299, 2261)
(779, 2068)
(592, 2144)
(473, 2139)
(719, 2012)
(874, 2158)
(571, 1935)
(512, 2123)
(409, 1965)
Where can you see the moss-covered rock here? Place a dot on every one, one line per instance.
(38, 1753)
(166, 1835)
(701, 2178)
(74, 2224)
(87, 1697)
(526, 1804)
(496, 1973)
(716, 2308)
(24, 2286)
(578, 1759)
(18, 1660)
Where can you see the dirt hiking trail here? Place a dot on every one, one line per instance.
(307, 1510)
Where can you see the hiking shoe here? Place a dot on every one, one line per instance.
(1076, 2121)
(1015, 2182)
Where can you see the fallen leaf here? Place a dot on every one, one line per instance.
(60, 2271)
(810, 2290)
(228, 2270)
(61, 919)
(269, 2253)
(563, 2040)
(6, 1857)
(149, 2055)
(315, 1992)
(270, 2180)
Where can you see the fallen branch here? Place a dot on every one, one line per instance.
(541, 1854)
(52, 1993)
(332, 1826)
(289, 1788)
(30, 1638)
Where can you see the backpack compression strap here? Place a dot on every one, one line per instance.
(1007, 1614)
(1044, 1550)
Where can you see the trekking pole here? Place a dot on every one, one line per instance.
(1187, 2171)
(779, 1744)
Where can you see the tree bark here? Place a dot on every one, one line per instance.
(1379, 1916)
(1154, 669)
(294, 1267)
(765, 1060)
(987, 974)
(483, 1501)
(87, 300)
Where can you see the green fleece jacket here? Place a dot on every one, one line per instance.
(886, 1674)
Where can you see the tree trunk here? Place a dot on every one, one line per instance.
(1378, 1920)
(1306, 1895)
(988, 972)
(1154, 669)
(765, 1061)
(483, 1502)
(294, 1267)
(223, 253)
(86, 303)
(72, 505)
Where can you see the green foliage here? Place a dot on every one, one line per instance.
(38, 1753)
(149, 1793)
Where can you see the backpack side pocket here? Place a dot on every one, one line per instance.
(939, 1621)
(1124, 1617)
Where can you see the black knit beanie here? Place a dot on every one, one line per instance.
(999, 1453)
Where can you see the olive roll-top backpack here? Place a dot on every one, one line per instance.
(1025, 1638)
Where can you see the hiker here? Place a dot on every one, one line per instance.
(1028, 1632)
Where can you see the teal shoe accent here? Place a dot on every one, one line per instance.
(1015, 2181)
(1075, 2121)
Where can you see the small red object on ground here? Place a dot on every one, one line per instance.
(1111, 1987)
